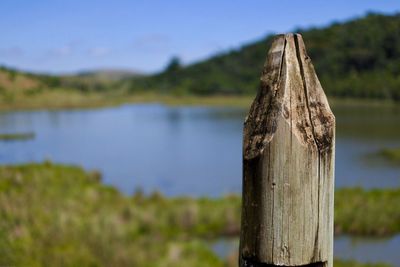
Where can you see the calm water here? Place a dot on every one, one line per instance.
(197, 151)
(346, 248)
(186, 150)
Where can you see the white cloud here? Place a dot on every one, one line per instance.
(99, 51)
(65, 50)
(152, 43)
(11, 52)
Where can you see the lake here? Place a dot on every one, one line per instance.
(197, 151)
(186, 150)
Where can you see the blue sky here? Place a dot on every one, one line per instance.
(60, 36)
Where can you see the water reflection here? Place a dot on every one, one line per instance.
(368, 123)
(368, 249)
(187, 150)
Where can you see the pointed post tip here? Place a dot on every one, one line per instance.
(290, 89)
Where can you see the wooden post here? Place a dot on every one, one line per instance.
(288, 164)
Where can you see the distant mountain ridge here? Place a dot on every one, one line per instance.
(108, 74)
(14, 80)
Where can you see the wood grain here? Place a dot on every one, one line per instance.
(288, 164)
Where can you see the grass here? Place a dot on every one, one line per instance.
(16, 136)
(370, 213)
(56, 215)
(391, 154)
(64, 98)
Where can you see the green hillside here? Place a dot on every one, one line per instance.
(359, 58)
(22, 90)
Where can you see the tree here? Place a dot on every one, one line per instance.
(174, 64)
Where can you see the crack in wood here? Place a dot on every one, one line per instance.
(299, 60)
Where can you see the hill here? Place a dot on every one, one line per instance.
(22, 90)
(358, 58)
(15, 81)
(12, 80)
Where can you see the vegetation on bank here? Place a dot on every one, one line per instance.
(391, 155)
(64, 99)
(55, 215)
(373, 212)
(16, 136)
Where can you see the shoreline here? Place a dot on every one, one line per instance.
(63, 100)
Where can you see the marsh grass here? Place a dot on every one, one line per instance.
(391, 154)
(16, 136)
(69, 98)
(373, 212)
(63, 98)
(56, 215)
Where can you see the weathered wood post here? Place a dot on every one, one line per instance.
(288, 164)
